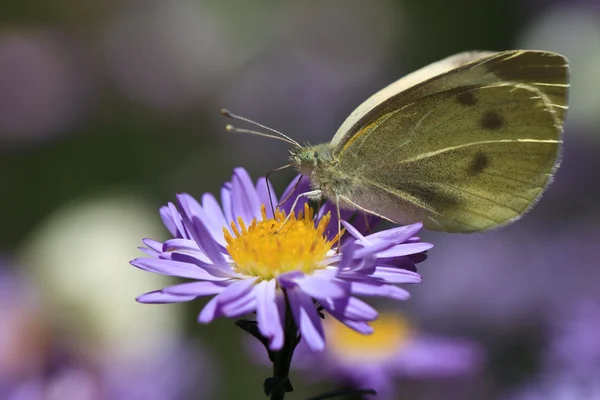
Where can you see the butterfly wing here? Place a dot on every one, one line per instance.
(547, 71)
(467, 150)
(384, 95)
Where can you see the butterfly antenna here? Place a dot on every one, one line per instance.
(231, 128)
(281, 135)
(268, 186)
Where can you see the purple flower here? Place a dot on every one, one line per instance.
(66, 374)
(39, 362)
(395, 350)
(571, 359)
(557, 388)
(249, 260)
(574, 347)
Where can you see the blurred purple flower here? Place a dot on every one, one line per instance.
(395, 350)
(558, 388)
(39, 363)
(459, 293)
(529, 265)
(232, 253)
(571, 362)
(189, 375)
(575, 344)
(66, 375)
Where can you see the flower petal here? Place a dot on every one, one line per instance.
(354, 232)
(377, 289)
(396, 275)
(347, 254)
(198, 289)
(210, 311)
(214, 214)
(267, 314)
(198, 229)
(181, 232)
(150, 252)
(318, 288)
(373, 249)
(236, 290)
(173, 268)
(223, 271)
(193, 210)
(160, 297)
(184, 246)
(246, 203)
(307, 319)
(153, 244)
(365, 222)
(358, 326)
(404, 249)
(352, 308)
(167, 219)
(399, 234)
(328, 273)
(405, 263)
(226, 202)
(240, 306)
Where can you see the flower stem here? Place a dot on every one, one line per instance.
(278, 385)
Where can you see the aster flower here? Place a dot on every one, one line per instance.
(284, 265)
(396, 349)
(242, 254)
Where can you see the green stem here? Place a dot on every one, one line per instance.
(280, 383)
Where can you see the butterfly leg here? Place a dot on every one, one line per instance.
(339, 221)
(369, 230)
(312, 193)
(364, 210)
(291, 191)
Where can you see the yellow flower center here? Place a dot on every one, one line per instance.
(268, 248)
(391, 333)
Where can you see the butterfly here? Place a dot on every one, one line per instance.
(465, 144)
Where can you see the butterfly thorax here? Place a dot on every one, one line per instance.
(319, 165)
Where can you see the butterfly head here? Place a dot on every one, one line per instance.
(304, 159)
(308, 158)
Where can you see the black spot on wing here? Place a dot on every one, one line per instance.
(548, 72)
(492, 121)
(466, 99)
(435, 199)
(478, 164)
(464, 95)
(530, 66)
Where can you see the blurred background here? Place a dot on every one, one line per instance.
(107, 109)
